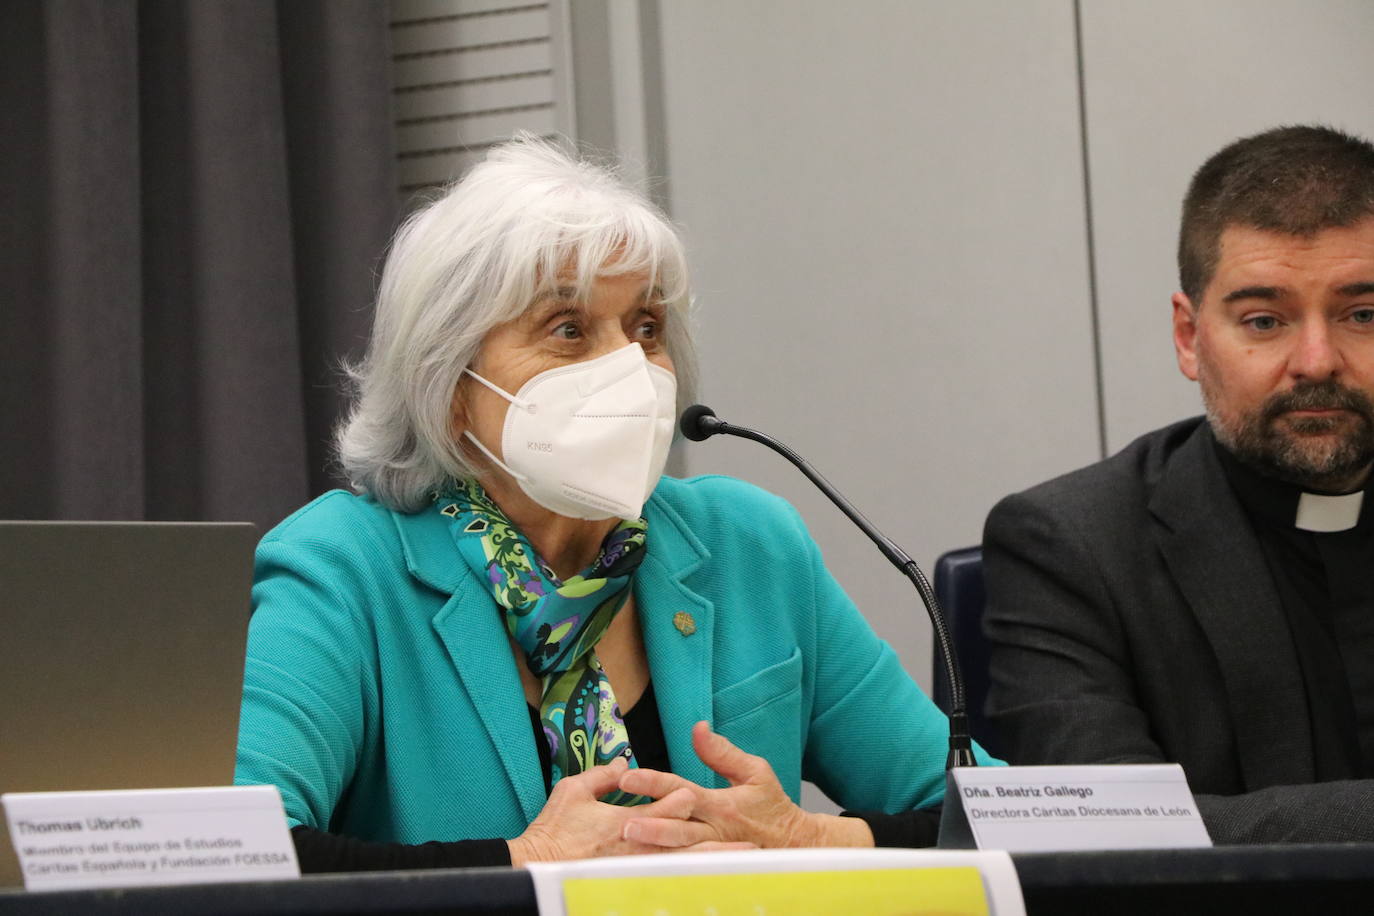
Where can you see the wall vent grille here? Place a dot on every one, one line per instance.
(466, 74)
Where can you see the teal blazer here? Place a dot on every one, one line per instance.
(381, 694)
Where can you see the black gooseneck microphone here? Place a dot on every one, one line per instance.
(700, 422)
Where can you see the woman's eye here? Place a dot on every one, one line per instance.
(568, 330)
(1262, 322)
(648, 330)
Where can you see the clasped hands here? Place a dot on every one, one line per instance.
(753, 812)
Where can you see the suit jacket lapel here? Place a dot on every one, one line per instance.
(472, 632)
(678, 626)
(1216, 559)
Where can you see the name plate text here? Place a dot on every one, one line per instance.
(1057, 808)
(70, 840)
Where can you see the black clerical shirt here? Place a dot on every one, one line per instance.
(1325, 583)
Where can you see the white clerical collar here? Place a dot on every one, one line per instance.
(1325, 514)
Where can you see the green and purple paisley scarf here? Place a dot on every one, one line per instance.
(557, 623)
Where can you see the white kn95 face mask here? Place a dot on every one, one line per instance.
(589, 440)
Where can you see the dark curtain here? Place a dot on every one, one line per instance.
(198, 195)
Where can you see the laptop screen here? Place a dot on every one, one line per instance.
(121, 656)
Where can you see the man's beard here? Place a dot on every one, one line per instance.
(1289, 448)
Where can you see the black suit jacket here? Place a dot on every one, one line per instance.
(1132, 619)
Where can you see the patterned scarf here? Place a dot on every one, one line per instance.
(557, 623)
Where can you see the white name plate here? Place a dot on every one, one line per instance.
(68, 840)
(1059, 808)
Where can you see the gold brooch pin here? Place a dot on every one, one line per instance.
(684, 623)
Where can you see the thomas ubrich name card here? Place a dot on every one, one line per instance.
(68, 840)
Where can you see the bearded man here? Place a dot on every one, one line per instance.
(1207, 595)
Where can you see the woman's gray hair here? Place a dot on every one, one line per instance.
(525, 221)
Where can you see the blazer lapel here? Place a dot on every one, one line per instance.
(1216, 559)
(678, 626)
(472, 632)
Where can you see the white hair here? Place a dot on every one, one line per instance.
(525, 221)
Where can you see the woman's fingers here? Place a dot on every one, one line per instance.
(597, 781)
(716, 846)
(677, 804)
(669, 833)
(718, 753)
(653, 783)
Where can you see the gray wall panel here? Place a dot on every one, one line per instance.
(884, 205)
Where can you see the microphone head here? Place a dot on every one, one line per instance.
(692, 426)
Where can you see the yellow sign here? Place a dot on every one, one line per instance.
(871, 892)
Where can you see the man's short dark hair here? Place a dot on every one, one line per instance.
(1293, 180)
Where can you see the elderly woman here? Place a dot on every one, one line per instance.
(506, 645)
